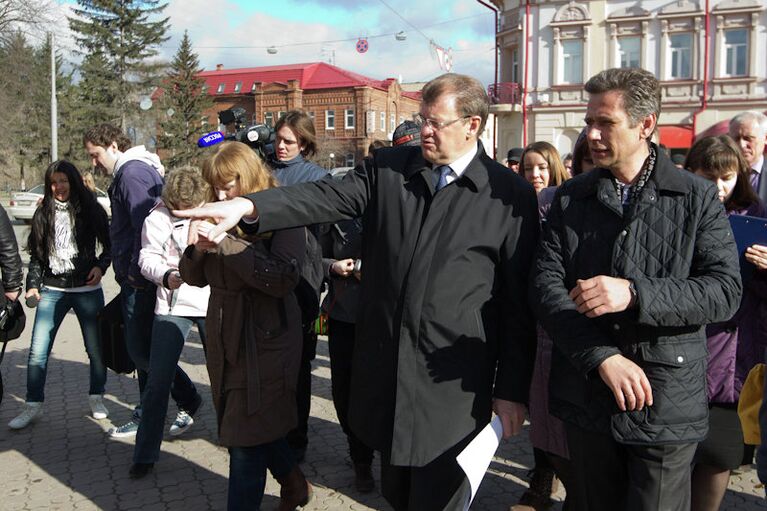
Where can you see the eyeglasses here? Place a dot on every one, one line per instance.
(420, 120)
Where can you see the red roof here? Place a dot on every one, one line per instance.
(311, 76)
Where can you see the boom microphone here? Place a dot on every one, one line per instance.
(210, 139)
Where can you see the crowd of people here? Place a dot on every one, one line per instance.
(600, 294)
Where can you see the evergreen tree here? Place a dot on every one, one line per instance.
(97, 92)
(123, 34)
(183, 103)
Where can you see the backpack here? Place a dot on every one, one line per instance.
(309, 285)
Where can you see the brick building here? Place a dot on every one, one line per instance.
(349, 110)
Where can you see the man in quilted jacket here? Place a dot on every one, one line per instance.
(635, 259)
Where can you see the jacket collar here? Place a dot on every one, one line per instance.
(299, 158)
(476, 173)
(665, 177)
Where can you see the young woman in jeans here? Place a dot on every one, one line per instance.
(178, 307)
(253, 335)
(65, 273)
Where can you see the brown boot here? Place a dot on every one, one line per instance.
(295, 490)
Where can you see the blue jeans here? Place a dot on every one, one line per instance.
(247, 472)
(50, 313)
(168, 336)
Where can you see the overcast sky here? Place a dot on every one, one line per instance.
(235, 33)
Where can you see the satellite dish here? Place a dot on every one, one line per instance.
(271, 50)
(146, 103)
(401, 35)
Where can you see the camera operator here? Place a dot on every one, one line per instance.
(295, 139)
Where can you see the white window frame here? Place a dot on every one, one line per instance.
(622, 53)
(575, 64)
(392, 123)
(330, 119)
(383, 121)
(220, 89)
(729, 50)
(237, 87)
(349, 119)
(515, 65)
(269, 119)
(675, 74)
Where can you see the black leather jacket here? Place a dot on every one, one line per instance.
(10, 261)
(89, 228)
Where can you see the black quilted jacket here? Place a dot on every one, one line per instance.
(676, 245)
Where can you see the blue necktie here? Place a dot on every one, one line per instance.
(443, 171)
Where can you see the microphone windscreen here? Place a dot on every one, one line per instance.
(210, 139)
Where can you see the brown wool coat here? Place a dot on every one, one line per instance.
(253, 333)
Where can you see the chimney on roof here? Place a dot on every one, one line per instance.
(219, 67)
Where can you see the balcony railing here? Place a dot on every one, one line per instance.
(504, 93)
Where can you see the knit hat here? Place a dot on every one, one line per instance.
(407, 134)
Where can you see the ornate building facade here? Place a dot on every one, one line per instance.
(704, 52)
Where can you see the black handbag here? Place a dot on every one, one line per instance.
(114, 352)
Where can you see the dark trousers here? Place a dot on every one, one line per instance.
(247, 472)
(610, 476)
(439, 485)
(298, 437)
(341, 344)
(168, 336)
(138, 315)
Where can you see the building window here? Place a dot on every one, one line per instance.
(281, 114)
(311, 115)
(736, 52)
(681, 55)
(349, 119)
(392, 123)
(237, 87)
(220, 88)
(629, 50)
(383, 121)
(515, 65)
(269, 119)
(350, 160)
(330, 119)
(572, 61)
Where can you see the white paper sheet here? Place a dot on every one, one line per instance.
(476, 457)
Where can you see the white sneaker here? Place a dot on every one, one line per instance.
(30, 412)
(98, 410)
(183, 422)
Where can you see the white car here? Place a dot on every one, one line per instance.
(23, 204)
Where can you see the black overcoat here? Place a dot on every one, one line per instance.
(444, 324)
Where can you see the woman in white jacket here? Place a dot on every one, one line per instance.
(178, 307)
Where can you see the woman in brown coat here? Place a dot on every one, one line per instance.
(254, 335)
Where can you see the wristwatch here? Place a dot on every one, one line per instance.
(634, 294)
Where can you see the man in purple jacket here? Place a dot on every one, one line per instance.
(136, 185)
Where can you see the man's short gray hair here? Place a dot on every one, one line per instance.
(639, 88)
(751, 116)
(470, 96)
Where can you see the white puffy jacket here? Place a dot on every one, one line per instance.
(163, 240)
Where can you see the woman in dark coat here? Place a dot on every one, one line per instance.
(734, 346)
(253, 335)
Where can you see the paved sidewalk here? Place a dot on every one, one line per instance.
(65, 461)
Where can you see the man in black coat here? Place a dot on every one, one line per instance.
(636, 257)
(445, 331)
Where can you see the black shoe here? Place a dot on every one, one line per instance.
(363, 478)
(139, 470)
